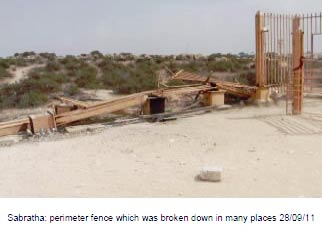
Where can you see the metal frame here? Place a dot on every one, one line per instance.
(283, 44)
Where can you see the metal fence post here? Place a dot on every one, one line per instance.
(298, 67)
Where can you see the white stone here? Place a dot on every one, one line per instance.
(211, 174)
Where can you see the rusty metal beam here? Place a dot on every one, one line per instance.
(231, 87)
(14, 127)
(74, 102)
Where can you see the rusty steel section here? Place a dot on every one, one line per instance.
(236, 89)
(76, 110)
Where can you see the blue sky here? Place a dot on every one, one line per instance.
(137, 26)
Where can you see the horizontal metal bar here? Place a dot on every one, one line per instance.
(309, 17)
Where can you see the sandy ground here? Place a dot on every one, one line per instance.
(100, 94)
(263, 153)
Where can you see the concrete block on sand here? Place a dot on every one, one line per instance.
(84, 128)
(211, 174)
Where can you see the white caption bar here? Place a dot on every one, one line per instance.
(160, 214)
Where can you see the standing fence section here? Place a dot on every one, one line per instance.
(275, 56)
(286, 60)
(311, 25)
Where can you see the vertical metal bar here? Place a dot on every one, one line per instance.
(290, 75)
(307, 34)
(271, 48)
(311, 35)
(278, 47)
(277, 51)
(287, 48)
(320, 22)
(284, 54)
(303, 29)
(308, 51)
(288, 63)
(268, 50)
(312, 51)
(316, 23)
(301, 88)
(280, 52)
(274, 53)
(265, 53)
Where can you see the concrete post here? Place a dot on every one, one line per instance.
(214, 98)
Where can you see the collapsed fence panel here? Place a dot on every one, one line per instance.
(81, 114)
(236, 89)
(77, 110)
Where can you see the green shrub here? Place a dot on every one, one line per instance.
(214, 56)
(52, 66)
(7, 97)
(87, 78)
(48, 56)
(194, 66)
(172, 66)
(36, 73)
(4, 63)
(31, 99)
(174, 82)
(18, 62)
(44, 85)
(57, 77)
(105, 63)
(4, 73)
(70, 63)
(247, 78)
(26, 54)
(126, 79)
(96, 54)
(72, 90)
(33, 91)
(220, 66)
